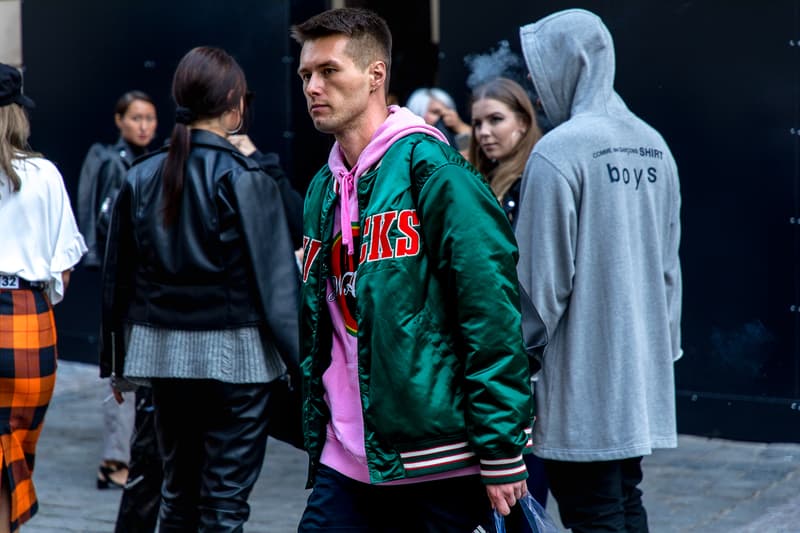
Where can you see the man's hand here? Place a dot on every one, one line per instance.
(504, 497)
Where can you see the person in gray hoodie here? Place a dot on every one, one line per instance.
(598, 232)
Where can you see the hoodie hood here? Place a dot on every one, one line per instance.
(400, 123)
(570, 56)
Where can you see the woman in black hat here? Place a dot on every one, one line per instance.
(40, 244)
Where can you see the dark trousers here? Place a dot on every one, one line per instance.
(599, 496)
(213, 437)
(138, 509)
(338, 503)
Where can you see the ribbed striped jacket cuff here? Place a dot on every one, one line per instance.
(498, 471)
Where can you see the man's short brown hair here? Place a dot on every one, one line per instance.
(370, 38)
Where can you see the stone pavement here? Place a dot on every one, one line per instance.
(705, 485)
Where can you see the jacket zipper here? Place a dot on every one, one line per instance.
(113, 354)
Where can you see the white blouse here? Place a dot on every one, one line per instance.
(39, 238)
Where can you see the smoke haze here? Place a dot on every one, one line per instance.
(500, 62)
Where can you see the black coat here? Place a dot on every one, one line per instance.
(102, 174)
(227, 261)
(292, 200)
(510, 201)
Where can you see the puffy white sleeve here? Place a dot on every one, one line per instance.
(66, 242)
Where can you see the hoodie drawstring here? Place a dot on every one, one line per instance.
(346, 190)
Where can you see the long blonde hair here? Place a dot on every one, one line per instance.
(502, 176)
(14, 133)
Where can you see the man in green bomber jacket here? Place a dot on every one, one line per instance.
(417, 401)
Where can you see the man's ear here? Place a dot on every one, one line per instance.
(118, 120)
(377, 75)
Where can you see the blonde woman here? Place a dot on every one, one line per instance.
(504, 131)
(40, 244)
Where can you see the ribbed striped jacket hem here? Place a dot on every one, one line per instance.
(447, 457)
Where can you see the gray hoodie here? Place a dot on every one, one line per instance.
(598, 233)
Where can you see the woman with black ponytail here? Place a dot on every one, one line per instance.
(200, 299)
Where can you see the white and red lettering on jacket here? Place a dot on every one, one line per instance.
(375, 242)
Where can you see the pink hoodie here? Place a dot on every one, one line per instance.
(400, 123)
(344, 446)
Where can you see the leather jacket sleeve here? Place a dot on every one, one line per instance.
(87, 203)
(117, 281)
(264, 224)
(291, 199)
(111, 176)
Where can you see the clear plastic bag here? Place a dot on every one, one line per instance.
(538, 519)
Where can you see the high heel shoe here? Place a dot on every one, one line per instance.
(104, 479)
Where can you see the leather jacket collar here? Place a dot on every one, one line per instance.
(127, 152)
(210, 139)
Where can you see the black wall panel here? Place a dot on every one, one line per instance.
(81, 56)
(720, 81)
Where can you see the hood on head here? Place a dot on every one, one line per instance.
(570, 56)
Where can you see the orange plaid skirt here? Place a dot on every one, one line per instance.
(27, 378)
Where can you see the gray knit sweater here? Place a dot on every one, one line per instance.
(229, 355)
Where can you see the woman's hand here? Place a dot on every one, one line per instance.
(120, 385)
(453, 121)
(243, 144)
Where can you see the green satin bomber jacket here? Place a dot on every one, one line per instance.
(443, 374)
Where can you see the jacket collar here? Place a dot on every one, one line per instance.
(126, 151)
(212, 140)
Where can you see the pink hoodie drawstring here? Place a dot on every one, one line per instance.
(400, 123)
(346, 190)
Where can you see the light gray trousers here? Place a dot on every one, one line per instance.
(117, 425)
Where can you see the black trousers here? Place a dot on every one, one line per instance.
(138, 509)
(213, 437)
(338, 503)
(599, 496)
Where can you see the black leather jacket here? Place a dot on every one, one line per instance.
(226, 262)
(102, 174)
(292, 200)
(510, 201)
